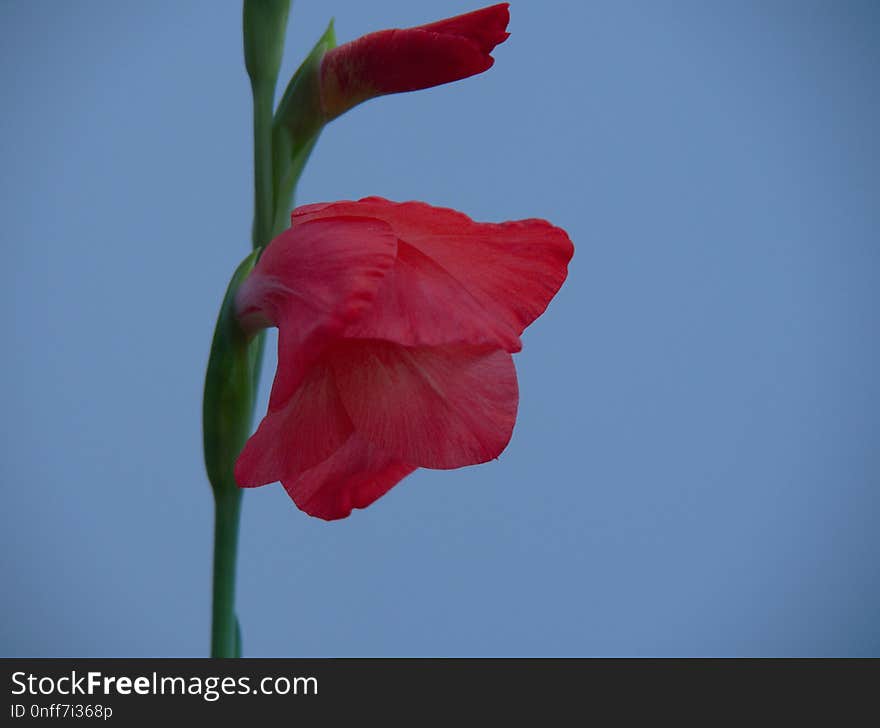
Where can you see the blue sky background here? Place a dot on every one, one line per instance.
(695, 468)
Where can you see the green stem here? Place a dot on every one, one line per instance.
(225, 639)
(223, 624)
(264, 204)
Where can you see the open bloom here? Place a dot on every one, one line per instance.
(391, 61)
(396, 326)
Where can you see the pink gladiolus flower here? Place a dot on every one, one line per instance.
(391, 61)
(396, 326)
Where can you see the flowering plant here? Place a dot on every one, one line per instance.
(396, 321)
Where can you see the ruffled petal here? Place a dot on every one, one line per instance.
(308, 429)
(434, 407)
(312, 281)
(352, 477)
(458, 281)
(420, 304)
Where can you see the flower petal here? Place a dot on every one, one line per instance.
(308, 429)
(486, 27)
(420, 304)
(458, 280)
(435, 407)
(353, 477)
(311, 281)
(397, 60)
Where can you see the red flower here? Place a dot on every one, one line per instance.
(396, 326)
(391, 61)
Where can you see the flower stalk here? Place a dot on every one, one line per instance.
(224, 630)
(264, 203)
(234, 365)
(230, 387)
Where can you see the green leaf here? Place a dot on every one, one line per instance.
(298, 122)
(230, 387)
